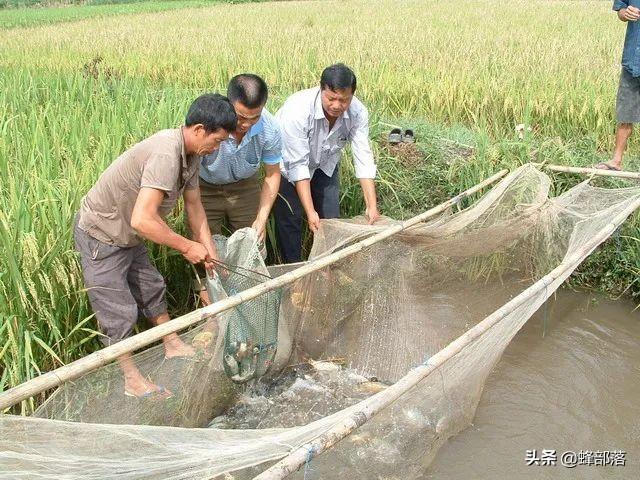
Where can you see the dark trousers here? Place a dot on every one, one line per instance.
(288, 211)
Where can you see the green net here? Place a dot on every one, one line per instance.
(251, 335)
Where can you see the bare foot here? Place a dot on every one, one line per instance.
(175, 347)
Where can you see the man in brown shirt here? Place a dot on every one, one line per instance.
(127, 204)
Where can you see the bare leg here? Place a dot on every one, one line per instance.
(622, 136)
(173, 345)
(134, 382)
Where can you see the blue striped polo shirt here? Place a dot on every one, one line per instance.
(232, 162)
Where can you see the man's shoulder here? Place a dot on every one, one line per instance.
(165, 142)
(357, 107)
(267, 117)
(358, 113)
(306, 95)
(297, 110)
(297, 100)
(270, 125)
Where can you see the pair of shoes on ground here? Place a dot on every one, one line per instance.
(606, 166)
(396, 136)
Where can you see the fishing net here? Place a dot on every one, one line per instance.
(251, 335)
(424, 314)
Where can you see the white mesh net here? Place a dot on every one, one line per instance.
(386, 312)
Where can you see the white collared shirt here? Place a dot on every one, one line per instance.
(307, 143)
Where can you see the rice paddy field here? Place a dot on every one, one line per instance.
(79, 84)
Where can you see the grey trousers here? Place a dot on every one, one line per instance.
(628, 98)
(121, 283)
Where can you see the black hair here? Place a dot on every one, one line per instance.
(212, 110)
(338, 77)
(248, 89)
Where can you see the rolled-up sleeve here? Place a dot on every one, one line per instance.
(295, 145)
(365, 165)
(620, 4)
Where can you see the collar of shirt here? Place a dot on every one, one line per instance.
(183, 151)
(253, 131)
(319, 111)
(189, 162)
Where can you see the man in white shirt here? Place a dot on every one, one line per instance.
(316, 124)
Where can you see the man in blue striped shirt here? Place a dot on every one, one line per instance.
(229, 187)
(628, 98)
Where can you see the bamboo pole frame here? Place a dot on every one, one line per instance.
(594, 171)
(108, 354)
(381, 400)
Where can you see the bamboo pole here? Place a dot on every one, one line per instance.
(594, 171)
(381, 400)
(108, 354)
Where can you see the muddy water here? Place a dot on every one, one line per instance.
(576, 388)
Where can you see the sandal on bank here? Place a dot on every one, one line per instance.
(606, 166)
(409, 136)
(395, 136)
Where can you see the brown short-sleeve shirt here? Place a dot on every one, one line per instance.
(158, 162)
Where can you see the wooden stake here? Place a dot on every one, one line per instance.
(379, 401)
(102, 357)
